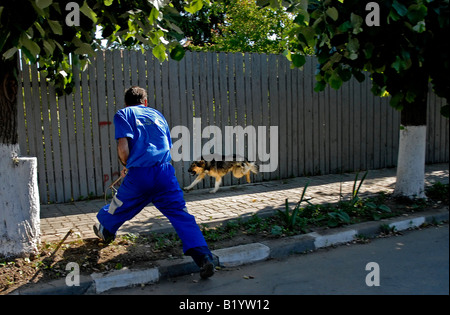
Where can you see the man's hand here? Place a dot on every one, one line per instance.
(124, 172)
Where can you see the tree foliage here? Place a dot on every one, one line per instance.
(199, 27)
(402, 53)
(48, 33)
(239, 26)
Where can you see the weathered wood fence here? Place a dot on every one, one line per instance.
(318, 133)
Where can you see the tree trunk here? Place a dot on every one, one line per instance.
(8, 104)
(411, 156)
(19, 194)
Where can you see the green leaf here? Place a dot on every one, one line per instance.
(371, 205)
(332, 12)
(399, 8)
(159, 51)
(84, 49)
(384, 208)
(335, 81)
(320, 86)
(86, 10)
(368, 50)
(402, 62)
(38, 26)
(298, 60)
(420, 27)
(344, 27)
(177, 53)
(55, 26)
(10, 52)
(359, 76)
(194, 6)
(42, 4)
(108, 2)
(417, 13)
(309, 35)
(353, 45)
(276, 230)
(49, 47)
(154, 14)
(395, 101)
(32, 47)
(356, 21)
(345, 74)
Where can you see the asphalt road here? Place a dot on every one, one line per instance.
(415, 263)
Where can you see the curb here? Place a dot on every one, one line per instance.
(233, 256)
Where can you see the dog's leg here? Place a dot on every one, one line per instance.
(216, 185)
(195, 182)
(248, 177)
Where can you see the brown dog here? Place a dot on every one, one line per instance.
(218, 166)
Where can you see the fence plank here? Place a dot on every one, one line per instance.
(308, 118)
(50, 174)
(184, 115)
(80, 167)
(88, 132)
(21, 127)
(104, 84)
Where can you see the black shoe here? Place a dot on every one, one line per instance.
(207, 269)
(103, 233)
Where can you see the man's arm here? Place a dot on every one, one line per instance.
(123, 151)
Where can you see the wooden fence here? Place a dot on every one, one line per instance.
(318, 133)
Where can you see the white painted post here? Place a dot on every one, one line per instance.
(19, 203)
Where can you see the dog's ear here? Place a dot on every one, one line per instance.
(201, 163)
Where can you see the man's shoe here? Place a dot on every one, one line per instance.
(207, 269)
(103, 233)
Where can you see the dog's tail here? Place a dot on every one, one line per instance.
(251, 166)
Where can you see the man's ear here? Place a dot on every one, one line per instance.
(145, 103)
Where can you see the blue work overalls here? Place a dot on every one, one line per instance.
(155, 183)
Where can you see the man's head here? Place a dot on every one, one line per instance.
(135, 95)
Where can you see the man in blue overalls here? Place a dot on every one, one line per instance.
(143, 147)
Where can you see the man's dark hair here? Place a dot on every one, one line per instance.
(135, 95)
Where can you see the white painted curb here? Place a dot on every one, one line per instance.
(321, 241)
(408, 223)
(124, 278)
(242, 254)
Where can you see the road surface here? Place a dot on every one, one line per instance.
(416, 262)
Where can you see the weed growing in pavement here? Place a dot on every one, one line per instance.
(438, 192)
(289, 219)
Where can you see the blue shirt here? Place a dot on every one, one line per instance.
(148, 132)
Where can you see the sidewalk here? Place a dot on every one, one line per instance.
(228, 203)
